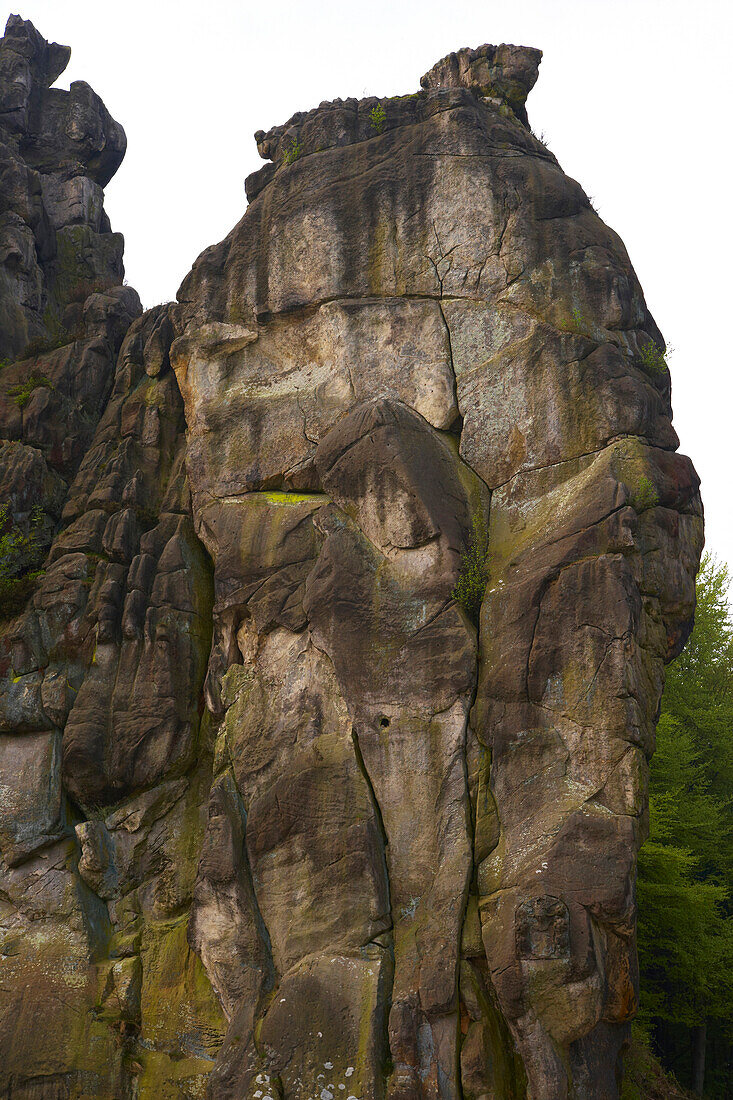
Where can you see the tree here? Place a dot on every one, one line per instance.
(685, 883)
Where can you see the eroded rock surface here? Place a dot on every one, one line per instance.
(105, 629)
(299, 826)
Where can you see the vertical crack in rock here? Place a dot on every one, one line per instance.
(389, 984)
(227, 930)
(450, 361)
(377, 814)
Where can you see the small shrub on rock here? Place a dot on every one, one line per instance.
(21, 393)
(473, 575)
(653, 358)
(293, 151)
(577, 324)
(644, 495)
(378, 118)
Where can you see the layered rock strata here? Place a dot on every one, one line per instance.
(290, 823)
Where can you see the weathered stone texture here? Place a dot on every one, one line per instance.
(104, 766)
(63, 314)
(57, 151)
(299, 827)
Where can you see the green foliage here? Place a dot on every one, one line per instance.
(474, 571)
(699, 684)
(644, 495)
(21, 393)
(378, 118)
(5, 363)
(685, 940)
(21, 552)
(578, 323)
(644, 1077)
(685, 884)
(652, 358)
(293, 151)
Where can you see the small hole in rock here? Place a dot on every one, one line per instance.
(384, 722)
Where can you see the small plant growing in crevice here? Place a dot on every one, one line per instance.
(22, 391)
(473, 575)
(293, 151)
(653, 359)
(577, 324)
(644, 495)
(378, 118)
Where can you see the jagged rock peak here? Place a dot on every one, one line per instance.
(56, 130)
(58, 149)
(47, 60)
(63, 309)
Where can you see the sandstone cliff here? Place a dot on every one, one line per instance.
(277, 817)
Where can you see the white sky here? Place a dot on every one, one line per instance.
(634, 97)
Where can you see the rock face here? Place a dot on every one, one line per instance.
(63, 312)
(278, 817)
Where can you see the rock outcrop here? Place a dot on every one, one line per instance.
(281, 816)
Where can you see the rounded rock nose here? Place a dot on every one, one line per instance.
(95, 139)
(508, 72)
(58, 59)
(115, 149)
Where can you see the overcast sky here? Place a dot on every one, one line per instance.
(634, 98)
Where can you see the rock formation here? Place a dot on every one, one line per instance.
(277, 817)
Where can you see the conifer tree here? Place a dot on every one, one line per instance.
(685, 884)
